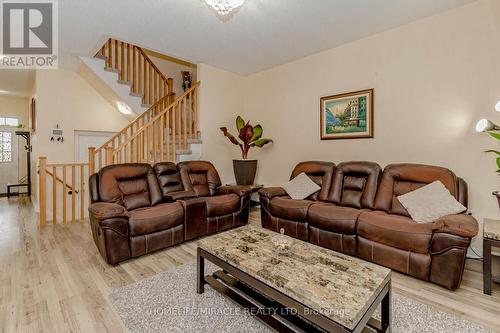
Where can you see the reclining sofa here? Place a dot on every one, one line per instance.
(357, 212)
(138, 208)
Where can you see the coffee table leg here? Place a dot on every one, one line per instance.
(387, 311)
(200, 273)
(487, 266)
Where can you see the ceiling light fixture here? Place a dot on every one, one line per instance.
(224, 7)
(124, 108)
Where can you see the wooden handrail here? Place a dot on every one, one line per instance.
(158, 116)
(59, 180)
(132, 123)
(64, 205)
(152, 63)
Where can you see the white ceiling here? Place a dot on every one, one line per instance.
(262, 34)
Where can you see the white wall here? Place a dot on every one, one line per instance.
(433, 79)
(173, 70)
(65, 98)
(221, 99)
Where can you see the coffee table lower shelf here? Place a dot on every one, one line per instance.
(279, 311)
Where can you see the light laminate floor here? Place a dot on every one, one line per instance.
(52, 279)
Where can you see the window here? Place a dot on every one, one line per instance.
(6, 121)
(5, 147)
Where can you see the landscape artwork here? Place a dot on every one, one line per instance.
(347, 116)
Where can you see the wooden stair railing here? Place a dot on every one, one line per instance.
(98, 155)
(65, 205)
(161, 137)
(136, 68)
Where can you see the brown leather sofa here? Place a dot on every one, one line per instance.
(137, 209)
(357, 212)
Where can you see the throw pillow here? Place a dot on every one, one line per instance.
(301, 187)
(430, 202)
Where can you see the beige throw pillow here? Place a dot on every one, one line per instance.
(301, 187)
(430, 202)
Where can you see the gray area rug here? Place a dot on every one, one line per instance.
(167, 302)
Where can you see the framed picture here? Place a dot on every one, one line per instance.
(347, 116)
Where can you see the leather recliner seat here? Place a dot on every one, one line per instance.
(362, 216)
(137, 209)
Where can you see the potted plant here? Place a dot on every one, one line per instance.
(496, 136)
(250, 136)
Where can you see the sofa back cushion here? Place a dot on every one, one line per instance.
(320, 172)
(399, 179)
(130, 185)
(355, 184)
(201, 177)
(168, 176)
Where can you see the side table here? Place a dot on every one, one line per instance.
(491, 238)
(254, 189)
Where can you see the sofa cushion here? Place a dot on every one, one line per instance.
(334, 218)
(290, 209)
(395, 230)
(133, 185)
(222, 204)
(430, 202)
(201, 177)
(152, 219)
(319, 172)
(301, 187)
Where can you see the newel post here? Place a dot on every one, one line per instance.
(91, 161)
(42, 188)
(109, 155)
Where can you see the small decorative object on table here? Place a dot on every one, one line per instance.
(250, 136)
(187, 80)
(282, 243)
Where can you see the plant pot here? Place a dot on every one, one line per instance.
(244, 171)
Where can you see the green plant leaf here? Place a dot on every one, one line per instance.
(262, 142)
(495, 135)
(257, 133)
(498, 162)
(240, 123)
(493, 151)
(230, 136)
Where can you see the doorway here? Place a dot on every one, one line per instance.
(86, 139)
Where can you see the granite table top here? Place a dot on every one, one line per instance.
(336, 285)
(491, 229)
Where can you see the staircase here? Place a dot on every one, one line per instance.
(166, 131)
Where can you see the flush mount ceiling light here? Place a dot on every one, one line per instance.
(224, 7)
(124, 108)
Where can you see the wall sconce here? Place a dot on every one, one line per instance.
(485, 125)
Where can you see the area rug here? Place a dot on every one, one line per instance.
(167, 302)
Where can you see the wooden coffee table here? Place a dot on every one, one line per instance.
(308, 289)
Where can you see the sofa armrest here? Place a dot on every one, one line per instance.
(271, 192)
(462, 225)
(109, 216)
(174, 196)
(105, 210)
(239, 190)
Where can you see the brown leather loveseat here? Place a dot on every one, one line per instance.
(137, 209)
(357, 212)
